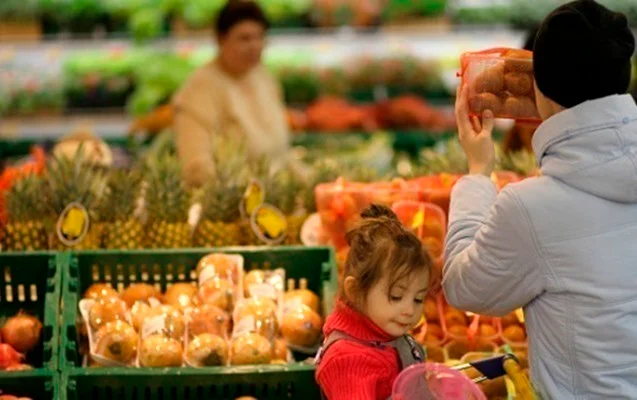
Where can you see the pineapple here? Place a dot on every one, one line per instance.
(220, 223)
(167, 205)
(259, 169)
(450, 159)
(71, 180)
(25, 205)
(522, 162)
(121, 230)
(283, 191)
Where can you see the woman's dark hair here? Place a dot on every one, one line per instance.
(529, 41)
(236, 11)
(381, 246)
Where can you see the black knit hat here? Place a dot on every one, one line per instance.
(583, 52)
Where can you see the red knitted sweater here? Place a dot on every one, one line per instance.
(353, 371)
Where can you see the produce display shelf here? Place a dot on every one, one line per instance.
(293, 381)
(32, 283)
(410, 141)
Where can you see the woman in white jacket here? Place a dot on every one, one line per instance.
(564, 245)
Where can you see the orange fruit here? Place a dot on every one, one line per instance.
(514, 333)
(435, 354)
(487, 330)
(455, 317)
(430, 310)
(435, 330)
(457, 330)
(510, 319)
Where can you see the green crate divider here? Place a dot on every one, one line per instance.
(273, 382)
(32, 282)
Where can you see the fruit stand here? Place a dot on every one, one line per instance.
(131, 285)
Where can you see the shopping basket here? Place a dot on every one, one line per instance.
(431, 381)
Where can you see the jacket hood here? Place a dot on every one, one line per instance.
(593, 148)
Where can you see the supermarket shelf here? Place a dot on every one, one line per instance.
(51, 127)
(328, 47)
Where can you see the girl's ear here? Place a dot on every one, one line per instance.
(349, 288)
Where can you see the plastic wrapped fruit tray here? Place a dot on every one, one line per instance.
(161, 268)
(31, 283)
(449, 334)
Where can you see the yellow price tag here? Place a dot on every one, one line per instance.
(73, 224)
(520, 314)
(447, 180)
(419, 219)
(253, 197)
(269, 224)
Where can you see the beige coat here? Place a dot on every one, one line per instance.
(212, 104)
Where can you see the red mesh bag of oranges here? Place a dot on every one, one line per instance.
(339, 205)
(427, 221)
(436, 189)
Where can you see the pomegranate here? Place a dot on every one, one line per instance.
(116, 341)
(22, 332)
(160, 351)
(140, 292)
(302, 326)
(8, 356)
(221, 266)
(107, 309)
(98, 290)
(262, 315)
(209, 319)
(207, 350)
(251, 348)
(218, 292)
(180, 295)
(303, 296)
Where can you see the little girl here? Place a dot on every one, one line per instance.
(386, 279)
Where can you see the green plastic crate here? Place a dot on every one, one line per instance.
(31, 282)
(273, 382)
(37, 385)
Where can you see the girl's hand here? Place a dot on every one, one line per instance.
(475, 136)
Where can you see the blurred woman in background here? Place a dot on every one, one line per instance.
(232, 96)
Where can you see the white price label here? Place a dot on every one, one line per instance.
(245, 325)
(153, 302)
(262, 290)
(292, 305)
(153, 325)
(311, 230)
(207, 274)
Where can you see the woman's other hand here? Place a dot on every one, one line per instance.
(475, 136)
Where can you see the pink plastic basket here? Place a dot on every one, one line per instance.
(431, 381)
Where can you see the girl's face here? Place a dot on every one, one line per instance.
(402, 309)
